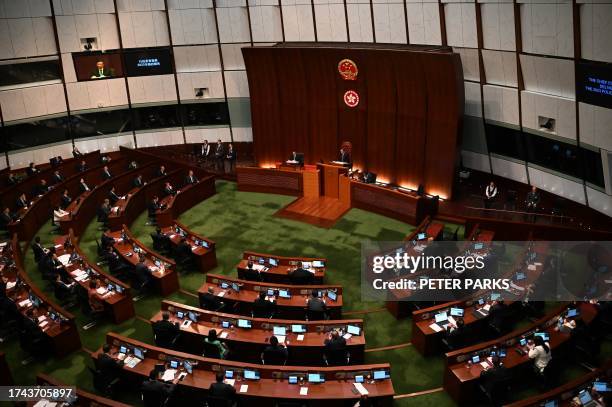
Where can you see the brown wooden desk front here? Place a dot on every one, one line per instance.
(280, 273)
(84, 398)
(206, 257)
(189, 196)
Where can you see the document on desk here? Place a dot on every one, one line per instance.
(361, 389)
(244, 388)
(435, 327)
(300, 337)
(229, 381)
(303, 391)
(259, 267)
(223, 335)
(531, 267)
(281, 338)
(168, 375)
(347, 336)
(64, 259)
(11, 284)
(221, 294)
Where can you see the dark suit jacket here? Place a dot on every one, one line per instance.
(137, 183)
(222, 390)
(190, 180)
(5, 220)
(155, 392)
(66, 201)
(211, 302)
(219, 151)
(165, 332)
(152, 207)
(106, 175)
(113, 197)
(31, 171)
(83, 187)
(262, 307)
(316, 305)
(159, 173)
(169, 191)
(231, 155)
(57, 179)
(345, 157)
(21, 203)
(41, 189)
(300, 276)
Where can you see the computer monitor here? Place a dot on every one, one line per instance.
(110, 287)
(279, 331)
(332, 295)
(359, 379)
(380, 375)
(585, 397)
(236, 287)
(481, 301)
(298, 328)
(495, 296)
(520, 276)
(318, 264)
(441, 317)
(180, 314)
(158, 263)
(261, 261)
(572, 313)
(273, 262)
(34, 300)
(293, 379)
(188, 367)
(456, 312)
(284, 294)
(601, 387)
(224, 285)
(192, 316)
(270, 292)
(225, 324)
(204, 244)
(119, 289)
(251, 374)
(174, 364)
(122, 349)
(229, 374)
(502, 353)
(543, 335)
(475, 359)
(244, 323)
(478, 246)
(138, 353)
(551, 403)
(523, 342)
(353, 330)
(315, 378)
(421, 236)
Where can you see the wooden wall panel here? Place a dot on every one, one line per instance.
(405, 127)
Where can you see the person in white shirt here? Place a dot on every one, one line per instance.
(490, 194)
(539, 351)
(58, 214)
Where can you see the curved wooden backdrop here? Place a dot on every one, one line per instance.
(407, 124)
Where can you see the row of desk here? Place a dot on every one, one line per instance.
(276, 269)
(81, 398)
(305, 348)
(202, 248)
(273, 384)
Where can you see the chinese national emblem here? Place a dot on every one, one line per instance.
(351, 98)
(347, 69)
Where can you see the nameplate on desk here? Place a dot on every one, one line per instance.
(361, 389)
(531, 267)
(300, 337)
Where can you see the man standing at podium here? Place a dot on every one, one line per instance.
(345, 156)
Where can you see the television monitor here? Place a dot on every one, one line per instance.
(523, 342)
(119, 289)
(97, 66)
(229, 374)
(122, 349)
(251, 374)
(543, 335)
(110, 287)
(353, 330)
(520, 276)
(293, 379)
(262, 261)
(279, 331)
(236, 287)
(359, 379)
(495, 296)
(594, 83)
(138, 353)
(421, 236)
(174, 364)
(315, 378)
(456, 312)
(475, 359)
(318, 264)
(188, 367)
(34, 300)
(273, 262)
(192, 316)
(502, 353)
(332, 295)
(481, 301)
(478, 246)
(380, 375)
(601, 387)
(225, 324)
(224, 285)
(244, 323)
(298, 328)
(150, 61)
(204, 244)
(585, 397)
(270, 292)
(180, 314)
(284, 294)
(441, 317)
(572, 313)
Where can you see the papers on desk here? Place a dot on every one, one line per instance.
(115, 209)
(131, 361)
(281, 338)
(43, 324)
(64, 259)
(172, 235)
(11, 284)
(517, 287)
(45, 403)
(3, 244)
(419, 248)
(168, 375)
(531, 267)
(194, 249)
(79, 275)
(259, 267)
(339, 162)
(186, 324)
(41, 318)
(606, 281)
(361, 389)
(435, 327)
(101, 290)
(300, 337)
(485, 365)
(537, 263)
(25, 303)
(229, 381)
(292, 162)
(223, 335)
(452, 320)
(244, 388)
(303, 391)
(347, 336)
(487, 307)
(221, 294)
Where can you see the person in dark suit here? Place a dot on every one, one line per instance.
(102, 72)
(83, 187)
(38, 249)
(183, 250)
(222, 390)
(274, 352)
(315, 303)
(115, 263)
(5, 218)
(205, 150)
(161, 171)
(104, 211)
(231, 157)
(82, 166)
(106, 240)
(493, 377)
(154, 392)
(132, 165)
(108, 366)
(76, 152)
(335, 348)
(57, 178)
(32, 170)
(105, 159)
(42, 188)
(219, 154)
(169, 189)
(210, 301)
(160, 240)
(153, 207)
(344, 156)
(295, 156)
(532, 201)
(22, 202)
(142, 272)
(190, 179)
(165, 331)
(262, 308)
(12, 179)
(65, 200)
(138, 182)
(299, 276)
(113, 197)
(106, 175)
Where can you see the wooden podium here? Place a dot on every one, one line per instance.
(330, 179)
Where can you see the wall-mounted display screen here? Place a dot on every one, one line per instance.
(594, 83)
(157, 61)
(96, 66)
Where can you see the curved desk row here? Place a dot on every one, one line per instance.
(276, 269)
(202, 248)
(288, 308)
(273, 382)
(83, 398)
(305, 346)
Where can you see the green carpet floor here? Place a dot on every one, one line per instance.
(239, 221)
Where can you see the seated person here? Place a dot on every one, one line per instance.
(142, 272)
(76, 152)
(32, 170)
(109, 367)
(22, 202)
(115, 263)
(153, 207)
(154, 392)
(161, 171)
(210, 301)
(82, 166)
(96, 301)
(316, 305)
(335, 349)
(169, 189)
(183, 251)
(494, 377)
(42, 188)
(165, 331)
(262, 308)
(113, 197)
(190, 179)
(106, 241)
(38, 249)
(539, 351)
(6, 217)
(132, 165)
(138, 182)
(65, 200)
(83, 187)
(160, 241)
(275, 353)
(213, 340)
(300, 276)
(12, 179)
(57, 178)
(58, 214)
(221, 390)
(106, 175)
(455, 334)
(104, 211)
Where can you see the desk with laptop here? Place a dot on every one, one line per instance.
(202, 248)
(276, 269)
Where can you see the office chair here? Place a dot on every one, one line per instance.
(102, 383)
(316, 315)
(269, 357)
(337, 358)
(164, 342)
(211, 351)
(251, 275)
(496, 394)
